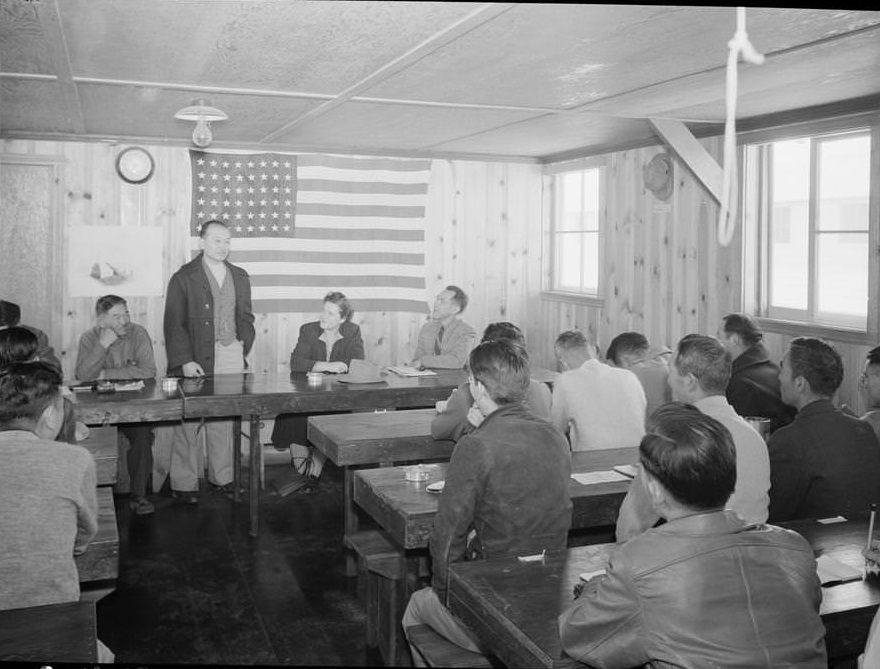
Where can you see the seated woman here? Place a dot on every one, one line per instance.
(21, 344)
(326, 345)
(457, 416)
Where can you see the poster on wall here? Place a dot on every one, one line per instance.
(124, 261)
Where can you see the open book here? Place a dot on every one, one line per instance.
(404, 370)
(832, 570)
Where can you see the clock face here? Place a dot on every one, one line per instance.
(135, 165)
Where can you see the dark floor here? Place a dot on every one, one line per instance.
(195, 588)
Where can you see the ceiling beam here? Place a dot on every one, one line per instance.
(50, 21)
(481, 15)
(677, 137)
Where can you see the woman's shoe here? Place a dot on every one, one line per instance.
(141, 506)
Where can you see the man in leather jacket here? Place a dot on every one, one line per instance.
(705, 589)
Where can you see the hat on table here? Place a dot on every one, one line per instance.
(361, 371)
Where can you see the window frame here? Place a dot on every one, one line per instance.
(552, 175)
(756, 249)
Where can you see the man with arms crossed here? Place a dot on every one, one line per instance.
(506, 489)
(705, 589)
(116, 348)
(698, 375)
(209, 329)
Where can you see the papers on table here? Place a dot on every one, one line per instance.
(830, 521)
(122, 386)
(404, 370)
(832, 570)
(626, 470)
(609, 476)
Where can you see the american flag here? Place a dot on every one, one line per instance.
(307, 224)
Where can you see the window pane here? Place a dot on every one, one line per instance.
(591, 199)
(844, 181)
(571, 201)
(789, 224)
(590, 272)
(568, 262)
(843, 274)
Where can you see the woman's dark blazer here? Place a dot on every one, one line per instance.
(309, 349)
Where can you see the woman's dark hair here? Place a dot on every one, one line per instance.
(26, 389)
(17, 344)
(743, 325)
(341, 301)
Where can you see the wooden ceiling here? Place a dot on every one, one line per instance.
(485, 81)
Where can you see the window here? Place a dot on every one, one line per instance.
(576, 215)
(808, 233)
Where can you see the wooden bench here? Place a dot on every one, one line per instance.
(383, 590)
(438, 652)
(52, 633)
(102, 444)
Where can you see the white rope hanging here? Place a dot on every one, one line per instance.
(738, 45)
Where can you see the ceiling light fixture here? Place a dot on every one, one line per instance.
(203, 115)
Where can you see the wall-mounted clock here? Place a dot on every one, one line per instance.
(135, 165)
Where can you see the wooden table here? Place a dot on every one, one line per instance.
(52, 633)
(255, 396)
(513, 606)
(149, 405)
(406, 510)
(361, 439)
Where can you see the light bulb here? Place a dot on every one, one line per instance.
(202, 135)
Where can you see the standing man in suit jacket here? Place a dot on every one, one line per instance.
(209, 329)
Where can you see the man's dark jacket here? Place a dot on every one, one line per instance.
(189, 316)
(825, 464)
(753, 389)
(508, 481)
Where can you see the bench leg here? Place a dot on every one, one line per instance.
(351, 520)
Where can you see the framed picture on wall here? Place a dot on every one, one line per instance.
(103, 259)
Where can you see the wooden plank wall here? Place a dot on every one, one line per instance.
(482, 221)
(665, 274)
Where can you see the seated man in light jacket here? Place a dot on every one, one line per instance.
(706, 589)
(698, 375)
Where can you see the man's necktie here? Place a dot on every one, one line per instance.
(438, 340)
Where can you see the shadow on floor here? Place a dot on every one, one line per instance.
(195, 588)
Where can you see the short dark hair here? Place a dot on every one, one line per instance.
(204, 227)
(706, 358)
(626, 342)
(571, 340)
(17, 344)
(106, 302)
(504, 330)
(691, 454)
(26, 389)
(743, 325)
(874, 356)
(818, 362)
(502, 366)
(10, 313)
(341, 301)
(460, 297)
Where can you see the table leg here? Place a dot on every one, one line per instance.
(351, 519)
(236, 457)
(256, 463)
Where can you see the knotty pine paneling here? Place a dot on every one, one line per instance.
(483, 227)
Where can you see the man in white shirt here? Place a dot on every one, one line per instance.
(597, 405)
(698, 375)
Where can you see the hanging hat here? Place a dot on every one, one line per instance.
(361, 371)
(657, 175)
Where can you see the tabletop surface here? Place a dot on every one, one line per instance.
(130, 406)
(406, 509)
(514, 605)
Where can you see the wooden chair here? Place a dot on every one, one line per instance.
(439, 652)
